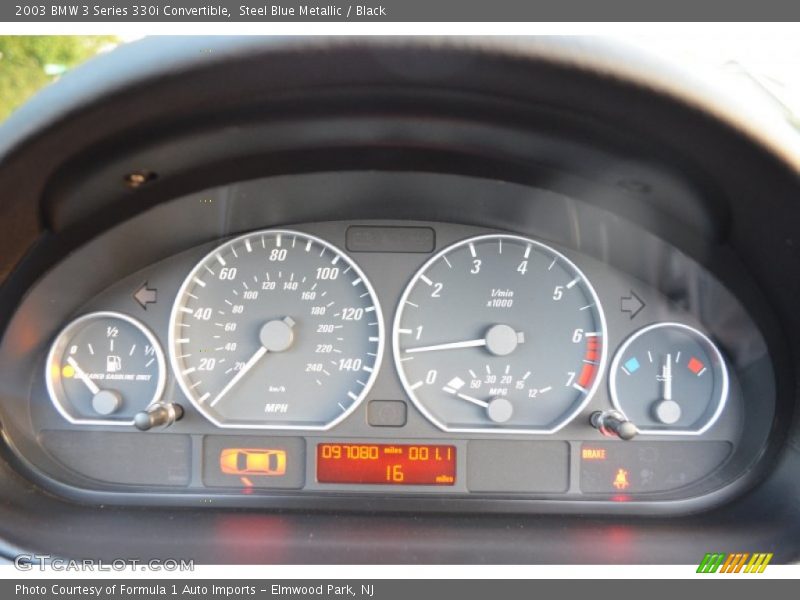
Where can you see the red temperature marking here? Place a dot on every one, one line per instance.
(695, 365)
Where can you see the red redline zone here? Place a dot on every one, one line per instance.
(589, 371)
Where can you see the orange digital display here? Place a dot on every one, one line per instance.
(388, 464)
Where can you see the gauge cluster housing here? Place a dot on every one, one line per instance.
(655, 188)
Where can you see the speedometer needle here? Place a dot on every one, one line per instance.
(242, 372)
(275, 336)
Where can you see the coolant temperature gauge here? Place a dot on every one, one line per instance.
(669, 378)
(103, 369)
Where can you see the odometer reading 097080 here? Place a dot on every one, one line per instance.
(386, 464)
(499, 333)
(276, 330)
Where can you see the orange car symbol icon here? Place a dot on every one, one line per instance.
(252, 461)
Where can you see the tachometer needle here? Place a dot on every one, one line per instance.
(449, 346)
(81, 374)
(499, 340)
(242, 372)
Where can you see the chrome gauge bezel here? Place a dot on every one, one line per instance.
(717, 356)
(60, 341)
(218, 248)
(569, 417)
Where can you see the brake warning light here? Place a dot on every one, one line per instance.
(593, 453)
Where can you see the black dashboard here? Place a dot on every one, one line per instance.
(470, 288)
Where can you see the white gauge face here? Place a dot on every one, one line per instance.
(499, 333)
(103, 368)
(669, 379)
(276, 330)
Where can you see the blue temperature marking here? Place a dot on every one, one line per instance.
(632, 365)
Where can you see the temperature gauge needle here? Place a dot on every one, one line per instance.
(668, 378)
(667, 410)
(81, 374)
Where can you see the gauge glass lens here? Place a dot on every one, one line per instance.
(276, 330)
(499, 333)
(669, 378)
(103, 368)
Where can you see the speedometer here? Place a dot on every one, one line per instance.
(499, 333)
(276, 330)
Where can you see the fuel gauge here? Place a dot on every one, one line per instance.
(669, 379)
(103, 369)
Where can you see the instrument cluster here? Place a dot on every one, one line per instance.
(278, 329)
(408, 360)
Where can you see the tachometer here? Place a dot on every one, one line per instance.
(276, 330)
(499, 333)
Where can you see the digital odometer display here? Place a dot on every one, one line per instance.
(388, 464)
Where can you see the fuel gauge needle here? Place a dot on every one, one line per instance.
(81, 374)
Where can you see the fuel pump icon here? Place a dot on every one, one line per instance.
(113, 364)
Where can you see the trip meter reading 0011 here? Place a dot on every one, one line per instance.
(276, 330)
(501, 334)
